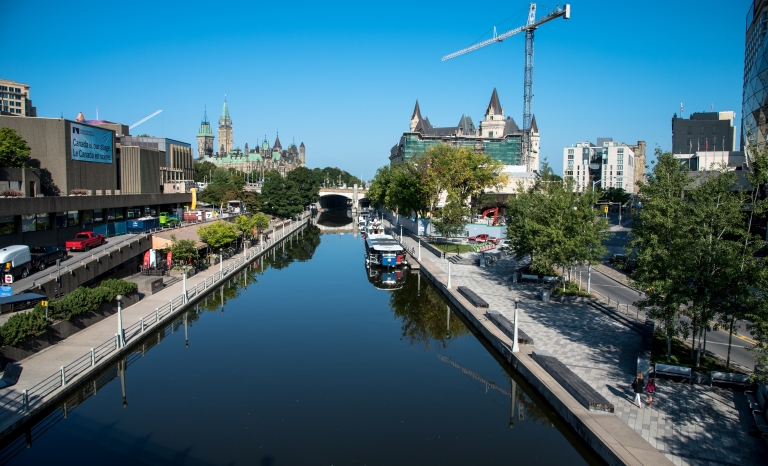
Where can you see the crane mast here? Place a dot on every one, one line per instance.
(144, 119)
(529, 29)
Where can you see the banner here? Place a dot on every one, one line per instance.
(90, 144)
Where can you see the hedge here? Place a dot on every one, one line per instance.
(80, 301)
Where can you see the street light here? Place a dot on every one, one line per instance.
(515, 345)
(120, 332)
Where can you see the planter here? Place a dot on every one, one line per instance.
(62, 330)
(570, 299)
(180, 273)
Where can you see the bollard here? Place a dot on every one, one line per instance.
(63, 378)
(142, 325)
(171, 311)
(25, 400)
(93, 358)
(117, 342)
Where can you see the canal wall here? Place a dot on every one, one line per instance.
(53, 374)
(612, 439)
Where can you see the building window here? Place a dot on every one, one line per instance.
(690, 130)
(73, 218)
(61, 219)
(87, 217)
(619, 184)
(28, 223)
(570, 156)
(7, 225)
(43, 222)
(98, 216)
(714, 129)
(701, 131)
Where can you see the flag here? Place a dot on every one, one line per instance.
(706, 144)
(698, 144)
(690, 146)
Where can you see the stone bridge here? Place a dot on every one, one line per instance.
(343, 198)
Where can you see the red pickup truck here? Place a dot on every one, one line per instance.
(483, 238)
(84, 241)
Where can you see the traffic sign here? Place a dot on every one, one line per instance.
(605, 209)
(44, 303)
(8, 278)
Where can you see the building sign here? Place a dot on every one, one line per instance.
(6, 291)
(90, 144)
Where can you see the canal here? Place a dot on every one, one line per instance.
(306, 358)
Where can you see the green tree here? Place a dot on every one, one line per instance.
(450, 220)
(280, 196)
(660, 239)
(203, 171)
(306, 184)
(615, 195)
(260, 221)
(14, 151)
(217, 234)
(246, 224)
(182, 250)
(380, 187)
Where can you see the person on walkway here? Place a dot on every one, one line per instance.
(650, 389)
(637, 387)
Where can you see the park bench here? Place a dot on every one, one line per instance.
(754, 405)
(729, 377)
(472, 297)
(572, 383)
(673, 371)
(526, 276)
(508, 327)
(10, 375)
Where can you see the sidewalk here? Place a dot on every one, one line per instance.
(41, 375)
(689, 424)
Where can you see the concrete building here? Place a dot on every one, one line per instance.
(703, 131)
(498, 135)
(176, 163)
(140, 170)
(607, 164)
(15, 100)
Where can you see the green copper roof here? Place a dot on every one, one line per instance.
(205, 130)
(225, 111)
(275, 155)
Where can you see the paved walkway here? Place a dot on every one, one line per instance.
(690, 424)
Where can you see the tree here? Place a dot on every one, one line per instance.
(203, 171)
(260, 221)
(250, 199)
(450, 221)
(280, 196)
(14, 151)
(246, 224)
(615, 195)
(182, 250)
(217, 234)
(306, 184)
(658, 238)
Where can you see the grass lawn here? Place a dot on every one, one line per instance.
(453, 247)
(681, 356)
(571, 289)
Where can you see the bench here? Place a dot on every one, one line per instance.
(508, 327)
(572, 383)
(754, 406)
(526, 276)
(673, 371)
(729, 377)
(472, 297)
(11, 375)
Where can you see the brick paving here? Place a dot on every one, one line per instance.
(690, 424)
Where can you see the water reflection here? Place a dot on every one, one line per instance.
(386, 279)
(424, 315)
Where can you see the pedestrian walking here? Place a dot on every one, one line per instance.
(650, 389)
(638, 386)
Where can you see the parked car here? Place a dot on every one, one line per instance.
(16, 260)
(167, 220)
(504, 244)
(84, 241)
(484, 238)
(47, 254)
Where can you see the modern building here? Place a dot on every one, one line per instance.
(15, 100)
(703, 131)
(607, 164)
(754, 128)
(261, 159)
(497, 135)
(176, 163)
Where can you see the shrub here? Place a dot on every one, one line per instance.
(117, 286)
(11, 193)
(20, 326)
(81, 300)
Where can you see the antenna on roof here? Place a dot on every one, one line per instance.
(681, 109)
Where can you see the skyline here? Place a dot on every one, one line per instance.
(344, 78)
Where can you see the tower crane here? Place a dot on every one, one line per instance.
(144, 119)
(529, 27)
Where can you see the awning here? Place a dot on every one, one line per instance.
(18, 298)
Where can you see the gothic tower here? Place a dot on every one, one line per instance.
(226, 142)
(493, 125)
(302, 155)
(205, 139)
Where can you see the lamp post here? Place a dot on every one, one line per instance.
(120, 320)
(449, 275)
(515, 345)
(589, 277)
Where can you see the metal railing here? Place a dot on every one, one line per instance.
(22, 403)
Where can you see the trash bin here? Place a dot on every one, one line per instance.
(545, 296)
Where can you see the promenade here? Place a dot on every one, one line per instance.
(688, 424)
(48, 375)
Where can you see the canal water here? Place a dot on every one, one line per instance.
(306, 358)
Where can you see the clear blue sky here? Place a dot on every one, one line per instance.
(342, 77)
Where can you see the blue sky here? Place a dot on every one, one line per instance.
(342, 77)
